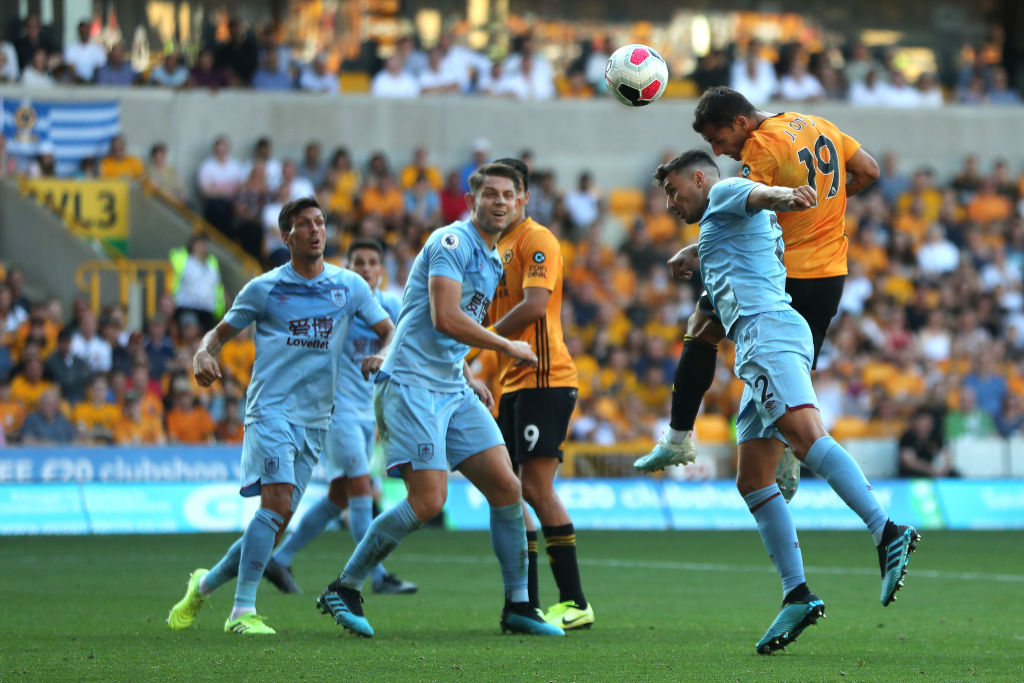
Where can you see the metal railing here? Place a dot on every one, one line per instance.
(128, 273)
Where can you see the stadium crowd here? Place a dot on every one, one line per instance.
(258, 57)
(931, 328)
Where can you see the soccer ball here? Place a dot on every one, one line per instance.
(636, 75)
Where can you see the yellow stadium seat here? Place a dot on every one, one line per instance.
(712, 429)
(682, 89)
(625, 202)
(354, 82)
(849, 427)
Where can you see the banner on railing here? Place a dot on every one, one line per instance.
(92, 209)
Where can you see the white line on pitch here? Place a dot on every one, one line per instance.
(709, 567)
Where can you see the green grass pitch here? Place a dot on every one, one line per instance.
(670, 606)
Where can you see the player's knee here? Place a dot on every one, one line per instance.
(504, 491)
(427, 506)
(705, 328)
(536, 489)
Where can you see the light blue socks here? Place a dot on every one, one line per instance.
(257, 545)
(834, 464)
(778, 533)
(508, 538)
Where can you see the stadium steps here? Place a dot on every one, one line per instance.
(35, 238)
(160, 223)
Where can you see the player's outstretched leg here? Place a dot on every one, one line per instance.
(800, 609)
(895, 543)
(360, 511)
(694, 376)
(184, 611)
(898, 542)
(787, 475)
(383, 536)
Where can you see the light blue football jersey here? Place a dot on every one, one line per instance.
(421, 356)
(301, 326)
(354, 395)
(741, 254)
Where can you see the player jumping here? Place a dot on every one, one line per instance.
(741, 261)
(790, 150)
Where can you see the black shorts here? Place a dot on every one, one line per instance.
(535, 422)
(817, 300)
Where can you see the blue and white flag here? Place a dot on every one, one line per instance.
(71, 131)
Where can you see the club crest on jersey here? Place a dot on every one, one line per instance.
(507, 256)
(450, 241)
(745, 171)
(538, 257)
(271, 464)
(425, 451)
(339, 297)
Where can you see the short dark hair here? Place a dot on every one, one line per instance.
(375, 245)
(476, 181)
(519, 166)
(286, 219)
(684, 161)
(719, 107)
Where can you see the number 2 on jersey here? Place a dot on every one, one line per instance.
(816, 163)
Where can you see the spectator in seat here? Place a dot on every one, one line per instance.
(584, 204)
(87, 344)
(95, 417)
(135, 427)
(36, 74)
(30, 385)
(70, 372)
(312, 166)
(986, 383)
(252, 197)
(230, 428)
(12, 412)
(316, 78)
(162, 174)
(47, 426)
(800, 85)
(117, 71)
(420, 166)
(30, 41)
(453, 200)
(220, 176)
(158, 346)
(171, 72)
(118, 165)
(394, 81)
(84, 56)
(270, 75)
(296, 185)
(187, 420)
(238, 56)
(206, 73)
(921, 452)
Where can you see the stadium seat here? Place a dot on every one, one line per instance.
(626, 203)
(712, 429)
(681, 89)
(849, 427)
(354, 82)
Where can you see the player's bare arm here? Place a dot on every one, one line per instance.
(385, 329)
(528, 311)
(478, 386)
(861, 172)
(204, 364)
(685, 264)
(448, 318)
(777, 198)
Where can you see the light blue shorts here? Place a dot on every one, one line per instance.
(274, 451)
(349, 446)
(431, 430)
(773, 358)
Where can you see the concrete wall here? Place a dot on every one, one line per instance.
(619, 144)
(36, 239)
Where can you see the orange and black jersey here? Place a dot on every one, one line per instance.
(791, 150)
(533, 258)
